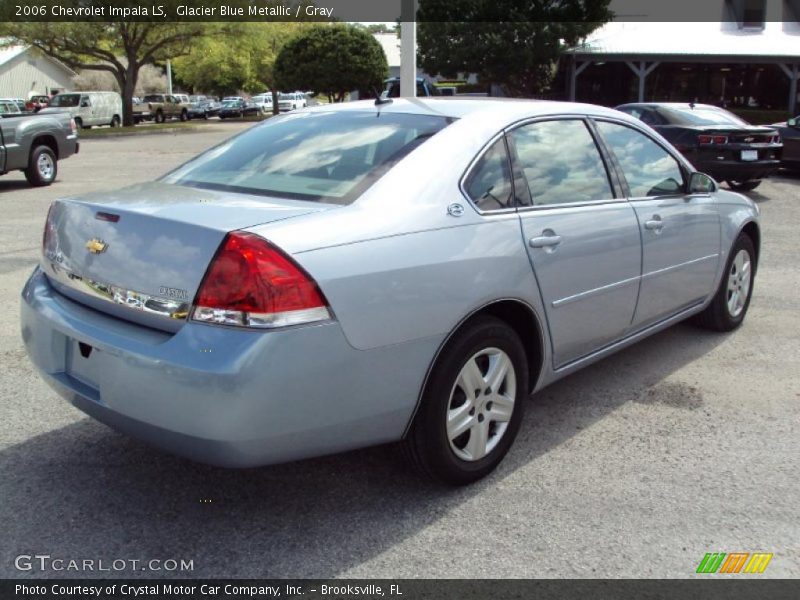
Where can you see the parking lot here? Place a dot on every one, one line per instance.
(686, 443)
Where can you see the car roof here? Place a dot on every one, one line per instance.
(688, 105)
(459, 108)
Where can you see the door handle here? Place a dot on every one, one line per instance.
(545, 241)
(655, 224)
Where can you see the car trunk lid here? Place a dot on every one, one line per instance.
(141, 253)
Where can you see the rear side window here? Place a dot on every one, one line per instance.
(489, 183)
(561, 162)
(319, 156)
(648, 168)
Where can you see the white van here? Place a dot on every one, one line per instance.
(88, 108)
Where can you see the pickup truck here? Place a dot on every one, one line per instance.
(161, 107)
(34, 144)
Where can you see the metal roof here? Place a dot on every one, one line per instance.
(692, 40)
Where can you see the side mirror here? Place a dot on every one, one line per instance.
(700, 183)
(85, 104)
(792, 122)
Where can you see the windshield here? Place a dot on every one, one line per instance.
(702, 115)
(325, 156)
(65, 100)
(231, 103)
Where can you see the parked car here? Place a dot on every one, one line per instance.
(425, 88)
(34, 144)
(8, 108)
(376, 272)
(203, 109)
(263, 101)
(37, 103)
(198, 98)
(231, 98)
(291, 101)
(161, 107)
(89, 109)
(238, 108)
(715, 141)
(790, 136)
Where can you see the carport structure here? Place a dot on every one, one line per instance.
(721, 62)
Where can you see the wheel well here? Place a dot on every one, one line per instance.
(752, 231)
(46, 140)
(521, 318)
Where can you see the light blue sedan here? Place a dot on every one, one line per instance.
(379, 272)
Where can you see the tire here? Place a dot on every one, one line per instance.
(42, 167)
(454, 455)
(732, 299)
(115, 122)
(744, 186)
(78, 122)
(159, 118)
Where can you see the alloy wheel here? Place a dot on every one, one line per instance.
(739, 279)
(481, 404)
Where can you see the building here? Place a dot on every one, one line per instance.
(749, 58)
(391, 48)
(26, 72)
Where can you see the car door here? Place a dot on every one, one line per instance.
(85, 111)
(582, 237)
(680, 231)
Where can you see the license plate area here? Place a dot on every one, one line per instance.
(749, 155)
(83, 362)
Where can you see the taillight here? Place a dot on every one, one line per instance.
(48, 235)
(775, 139)
(73, 126)
(712, 139)
(251, 283)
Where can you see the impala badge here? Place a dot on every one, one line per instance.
(96, 246)
(748, 140)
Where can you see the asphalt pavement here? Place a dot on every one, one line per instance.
(687, 443)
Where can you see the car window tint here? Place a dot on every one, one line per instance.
(489, 182)
(561, 162)
(649, 169)
(318, 156)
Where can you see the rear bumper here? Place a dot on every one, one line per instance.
(220, 395)
(738, 170)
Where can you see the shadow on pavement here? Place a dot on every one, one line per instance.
(84, 491)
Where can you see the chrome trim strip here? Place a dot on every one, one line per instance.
(163, 307)
(595, 291)
(679, 266)
(611, 286)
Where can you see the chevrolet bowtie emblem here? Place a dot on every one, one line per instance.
(96, 246)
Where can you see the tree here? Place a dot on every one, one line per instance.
(507, 42)
(217, 66)
(117, 48)
(333, 60)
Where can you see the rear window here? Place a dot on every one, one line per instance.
(325, 156)
(702, 116)
(65, 100)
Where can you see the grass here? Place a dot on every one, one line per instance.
(168, 127)
(100, 132)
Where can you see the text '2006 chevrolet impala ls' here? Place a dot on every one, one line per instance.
(376, 272)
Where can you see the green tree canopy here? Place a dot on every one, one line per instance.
(331, 59)
(118, 48)
(237, 57)
(507, 42)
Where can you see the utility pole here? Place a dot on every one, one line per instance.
(169, 77)
(408, 48)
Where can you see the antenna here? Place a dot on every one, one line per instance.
(382, 98)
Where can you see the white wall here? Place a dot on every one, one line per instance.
(31, 73)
